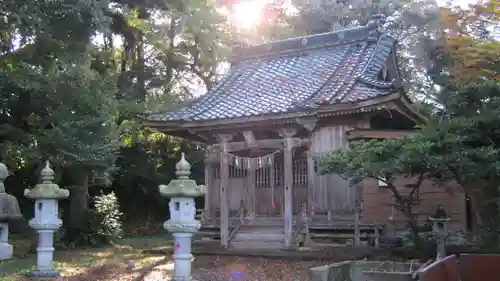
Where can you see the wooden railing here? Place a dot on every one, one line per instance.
(236, 223)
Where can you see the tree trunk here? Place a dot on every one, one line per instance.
(78, 202)
(488, 213)
(406, 207)
(413, 225)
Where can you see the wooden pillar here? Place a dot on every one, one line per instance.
(287, 134)
(311, 177)
(251, 190)
(309, 124)
(208, 189)
(272, 181)
(357, 233)
(224, 184)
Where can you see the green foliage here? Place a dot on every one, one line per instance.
(83, 128)
(379, 159)
(104, 223)
(75, 76)
(465, 140)
(57, 105)
(107, 214)
(154, 157)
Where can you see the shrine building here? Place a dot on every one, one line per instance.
(281, 106)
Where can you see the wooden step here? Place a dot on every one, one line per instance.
(272, 228)
(339, 235)
(266, 221)
(262, 230)
(344, 227)
(258, 245)
(258, 236)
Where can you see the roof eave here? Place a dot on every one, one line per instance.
(407, 108)
(344, 108)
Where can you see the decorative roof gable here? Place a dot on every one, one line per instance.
(296, 75)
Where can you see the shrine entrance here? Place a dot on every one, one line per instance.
(269, 196)
(256, 179)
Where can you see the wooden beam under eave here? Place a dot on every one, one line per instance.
(263, 144)
(357, 134)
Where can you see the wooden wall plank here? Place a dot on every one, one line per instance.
(331, 192)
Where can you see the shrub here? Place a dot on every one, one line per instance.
(104, 223)
(106, 219)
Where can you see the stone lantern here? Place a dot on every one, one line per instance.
(439, 227)
(46, 220)
(9, 210)
(182, 223)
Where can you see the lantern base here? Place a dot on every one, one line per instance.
(182, 279)
(45, 274)
(6, 251)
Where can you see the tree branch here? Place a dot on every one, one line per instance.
(417, 185)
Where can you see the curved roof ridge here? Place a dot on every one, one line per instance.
(298, 44)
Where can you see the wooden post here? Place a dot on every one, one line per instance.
(251, 190)
(272, 181)
(377, 235)
(357, 233)
(309, 123)
(287, 134)
(224, 182)
(242, 211)
(208, 189)
(311, 176)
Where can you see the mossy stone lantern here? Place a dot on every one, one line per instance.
(9, 210)
(46, 220)
(182, 223)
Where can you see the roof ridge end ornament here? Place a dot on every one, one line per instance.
(378, 19)
(376, 24)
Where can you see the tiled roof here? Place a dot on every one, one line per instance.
(295, 75)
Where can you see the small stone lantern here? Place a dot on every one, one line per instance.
(439, 227)
(182, 223)
(46, 220)
(9, 210)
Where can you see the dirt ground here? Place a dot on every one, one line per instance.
(206, 268)
(128, 261)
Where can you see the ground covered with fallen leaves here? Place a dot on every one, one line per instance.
(128, 262)
(206, 268)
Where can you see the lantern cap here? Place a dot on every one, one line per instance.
(47, 189)
(183, 186)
